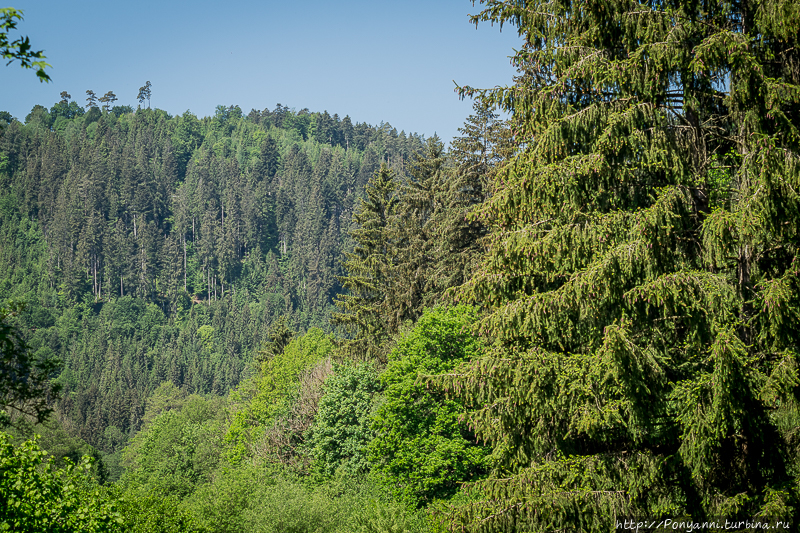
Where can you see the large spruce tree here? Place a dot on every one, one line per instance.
(642, 279)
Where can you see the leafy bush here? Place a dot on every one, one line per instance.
(36, 496)
(342, 427)
(178, 450)
(385, 517)
(422, 450)
(248, 498)
(153, 512)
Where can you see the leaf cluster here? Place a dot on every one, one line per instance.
(20, 48)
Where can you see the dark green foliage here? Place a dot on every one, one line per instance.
(108, 99)
(415, 238)
(91, 98)
(60, 446)
(206, 230)
(66, 108)
(642, 271)
(279, 336)
(423, 449)
(145, 92)
(413, 231)
(25, 387)
(458, 237)
(342, 427)
(364, 309)
(93, 115)
(39, 117)
(118, 110)
(36, 496)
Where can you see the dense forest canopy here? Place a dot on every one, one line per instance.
(579, 317)
(151, 248)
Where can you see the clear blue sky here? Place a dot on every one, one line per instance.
(375, 60)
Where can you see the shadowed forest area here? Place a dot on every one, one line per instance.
(580, 317)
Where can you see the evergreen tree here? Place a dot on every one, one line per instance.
(642, 279)
(136, 206)
(364, 307)
(108, 100)
(413, 233)
(485, 142)
(144, 94)
(279, 336)
(25, 387)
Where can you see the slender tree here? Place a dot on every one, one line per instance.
(144, 94)
(418, 212)
(458, 238)
(108, 100)
(91, 99)
(642, 282)
(363, 309)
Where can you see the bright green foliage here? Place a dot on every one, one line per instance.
(154, 512)
(178, 450)
(20, 48)
(423, 449)
(257, 402)
(343, 423)
(166, 397)
(249, 498)
(386, 517)
(642, 278)
(36, 496)
(222, 505)
(60, 446)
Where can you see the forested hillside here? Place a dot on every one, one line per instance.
(580, 319)
(151, 248)
(177, 272)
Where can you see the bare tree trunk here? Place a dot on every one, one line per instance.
(184, 261)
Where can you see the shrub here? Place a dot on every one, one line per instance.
(36, 496)
(258, 402)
